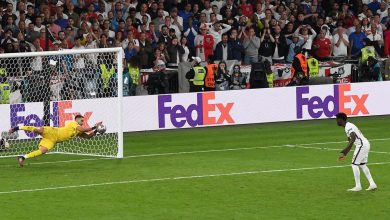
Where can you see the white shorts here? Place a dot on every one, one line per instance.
(360, 156)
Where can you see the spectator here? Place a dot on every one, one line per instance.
(145, 49)
(292, 44)
(229, 19)
(236, 46)
(217, 31)
(376, 39)
(207, 10)
(251, 45)
(216, 13)
(341, 43)
(164, 52)
(130, 51)
(322, 46)
(159, 59)
(170, 25)
(62, 37)
(222, 77)
(61, 18)
(72, 14)
(186, 49)
(153, 10)
(229, 5)
(142, 12)
(237, 81)
(196, 12)
(185, 14)
(130, 38)
(175, 51)
(218, 3)
(191, 32)
(177, 21)
(366, 26)
(303, 31)
(103, 42)
(247, 9)
(267, 45)
(42, 39)
(356, 41)
(204, 43)
(159, 20)
(280, 45)
(152, 34)
(259, 11)
(386, 36)
(223, 50)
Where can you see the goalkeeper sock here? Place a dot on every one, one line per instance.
(33, 154)
(27, 128)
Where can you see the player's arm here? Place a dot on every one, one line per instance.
(84, 129)
(346, 150)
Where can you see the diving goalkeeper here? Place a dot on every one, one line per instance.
(52, 135)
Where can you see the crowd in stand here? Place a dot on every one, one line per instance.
(161, 32)
(172, 31)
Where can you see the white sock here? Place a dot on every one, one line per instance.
(25, 156)
(366, 172)
(356, 174)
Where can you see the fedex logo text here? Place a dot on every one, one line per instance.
(179, 115)
(317, 106)
(58, 117)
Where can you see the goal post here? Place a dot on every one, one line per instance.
(68, 82)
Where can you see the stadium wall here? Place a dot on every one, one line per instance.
(184, 110)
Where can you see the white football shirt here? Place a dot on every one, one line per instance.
(360, 139)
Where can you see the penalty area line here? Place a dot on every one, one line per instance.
(178, 178)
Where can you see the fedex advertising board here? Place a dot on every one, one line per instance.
(186, 110)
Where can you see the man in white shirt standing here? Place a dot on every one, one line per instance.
(340, 43)
(360, 156)
(376, 38)
(217, 32)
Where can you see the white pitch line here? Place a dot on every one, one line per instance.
(178, 178)
(333, 149)
(204, 151)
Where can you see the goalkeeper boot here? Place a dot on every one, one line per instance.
(21, 160)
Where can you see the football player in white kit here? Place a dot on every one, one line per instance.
(360, 155)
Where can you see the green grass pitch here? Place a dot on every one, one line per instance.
(266, 171)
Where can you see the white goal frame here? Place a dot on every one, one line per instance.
(119, 54)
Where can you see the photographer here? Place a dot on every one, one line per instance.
(374, 73)
(299, 79)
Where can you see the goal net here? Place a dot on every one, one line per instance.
(50, 88)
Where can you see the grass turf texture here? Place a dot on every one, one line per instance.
(290, 194)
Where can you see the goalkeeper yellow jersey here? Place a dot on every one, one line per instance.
(68, 131)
